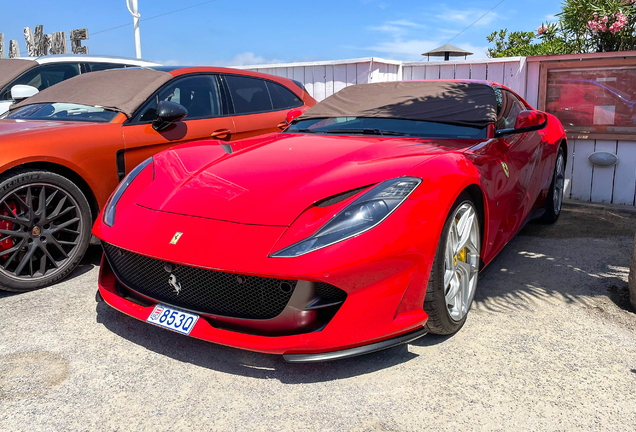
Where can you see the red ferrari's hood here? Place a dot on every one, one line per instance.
(10, 128)
(274, 179)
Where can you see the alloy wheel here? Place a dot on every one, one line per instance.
(40, 230)
(461, 261)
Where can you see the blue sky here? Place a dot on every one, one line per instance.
(239, 32)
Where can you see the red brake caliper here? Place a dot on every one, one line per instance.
(4, 225)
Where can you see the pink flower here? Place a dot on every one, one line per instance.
(541, 29)
(605, 19)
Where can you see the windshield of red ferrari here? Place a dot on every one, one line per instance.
(62, 112)
(385, 126)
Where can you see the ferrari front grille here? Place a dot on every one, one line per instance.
(201, 290)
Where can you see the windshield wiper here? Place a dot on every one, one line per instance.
(304, 131)
(367, 132)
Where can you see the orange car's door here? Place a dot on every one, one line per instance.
(206, 119)
(259, 105)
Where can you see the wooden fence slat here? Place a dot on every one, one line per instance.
(352, 74)
(625, 177)
(418, 73)
(582, 170)
(462, 71)
(495, 72)
(515, 76)
(281, 72)
(432, 72)
(319, 82)
(329, 80)
(447, 71)
(339, 77)
(532, 84)
(406, 73)
(299, 74)
(309, 80)
(567, 190)
(363, 72)
(478, 71)
(603, 177)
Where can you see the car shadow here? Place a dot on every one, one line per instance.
(583, 257)
(240, 362)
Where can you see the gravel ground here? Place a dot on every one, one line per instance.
(549, 345)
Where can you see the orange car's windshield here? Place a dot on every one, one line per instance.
(63, 112)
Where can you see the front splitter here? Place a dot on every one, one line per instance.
(357, 351)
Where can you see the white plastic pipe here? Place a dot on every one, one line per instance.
(133, 8)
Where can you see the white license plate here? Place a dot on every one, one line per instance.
(173, 319)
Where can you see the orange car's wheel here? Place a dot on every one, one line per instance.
(45, 224)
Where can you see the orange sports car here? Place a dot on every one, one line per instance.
(64, 150)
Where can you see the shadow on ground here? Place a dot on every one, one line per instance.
(239, 362)
(572, 262)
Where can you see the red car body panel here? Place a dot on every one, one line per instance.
(236, 209)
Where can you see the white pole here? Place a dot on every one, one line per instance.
(133, 8)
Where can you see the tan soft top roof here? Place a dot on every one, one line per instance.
(122, 90)
(456, 102)
(11, 68)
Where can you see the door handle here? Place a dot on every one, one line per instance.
(222, 134)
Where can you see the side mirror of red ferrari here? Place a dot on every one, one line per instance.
(290, 116)
(527, 121)
(293, 114)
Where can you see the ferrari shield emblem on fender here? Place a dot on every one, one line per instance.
(176, 238)
(505, 168)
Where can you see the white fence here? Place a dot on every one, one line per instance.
(584, 181)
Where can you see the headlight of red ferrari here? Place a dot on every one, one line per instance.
(111, 205)
(361, 215)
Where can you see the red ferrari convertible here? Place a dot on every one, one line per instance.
(362, 226)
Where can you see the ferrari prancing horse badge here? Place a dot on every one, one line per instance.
(176, 238)
(505, 168)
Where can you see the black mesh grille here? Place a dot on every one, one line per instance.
(205, 291)
(330, 292)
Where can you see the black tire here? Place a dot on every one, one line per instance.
(440, 321)
(54, 237)
(553, 206)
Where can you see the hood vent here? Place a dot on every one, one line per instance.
(335, 199)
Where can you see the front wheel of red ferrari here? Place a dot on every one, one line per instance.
(453, 281)
(45, 223)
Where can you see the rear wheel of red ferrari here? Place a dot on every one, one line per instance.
(45, 223)
(554, 201)
(453, 281)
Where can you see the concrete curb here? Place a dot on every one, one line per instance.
(610, 207)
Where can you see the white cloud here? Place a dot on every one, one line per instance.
(388, 29)
(172, 62)
(246, 58)
(551, 17)
(406, 23)
(412, 49)
(405, 49)
(379, 3)
(466, 16)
